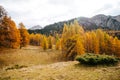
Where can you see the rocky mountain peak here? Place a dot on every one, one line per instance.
(35, 27)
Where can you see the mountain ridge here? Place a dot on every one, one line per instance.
(98, 21)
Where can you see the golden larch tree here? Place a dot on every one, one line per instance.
(24, 35)
(72, 40)
(9, 34)
(50, 43)
(44, 43)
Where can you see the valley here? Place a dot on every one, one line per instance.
(52, 40)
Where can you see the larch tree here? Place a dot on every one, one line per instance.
(37, 39)
(58, 42)
(80, 47)
(50, 43)
(32, 39)
(64, 37)
(117, 47)
(9, 34)
(95, 43)
(44, 42)
(101, 37)
(87, 43)
(72, 40)
(24, 40)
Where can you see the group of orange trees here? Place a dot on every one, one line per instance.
(13, 37)
(76, 41)
(73, 40)
(10, 36)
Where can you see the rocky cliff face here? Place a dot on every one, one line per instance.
(117, 18)
(101, 21)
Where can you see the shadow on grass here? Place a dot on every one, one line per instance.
(79, 65)
(16, 67)
(5, 78)
(83, 65)
(2, 62)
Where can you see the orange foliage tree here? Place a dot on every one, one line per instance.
(35, 39)
(72, 40)
(24, 40)
(58, 42)
(76, 41)
(50, 43)
(100, 42)
(9, 34)
(44, 43)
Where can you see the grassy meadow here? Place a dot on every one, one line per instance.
(33, 63)
(28, 56)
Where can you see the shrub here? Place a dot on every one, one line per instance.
(97, 59)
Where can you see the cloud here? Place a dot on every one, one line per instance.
(44, 12)
(112, 8)
(62, 2)
(104, 8)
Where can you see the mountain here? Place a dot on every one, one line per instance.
(95, 22)
(106, 22)
(100, 21)
(117, 18)
(35, 27)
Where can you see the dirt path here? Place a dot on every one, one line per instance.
(31, 47)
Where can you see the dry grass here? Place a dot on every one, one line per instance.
(31, 55)
(62, 71)
(39, 66)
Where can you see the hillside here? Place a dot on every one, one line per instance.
(95, 22)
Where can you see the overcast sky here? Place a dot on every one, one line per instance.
(44, 12)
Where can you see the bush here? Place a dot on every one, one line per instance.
(97, 59)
